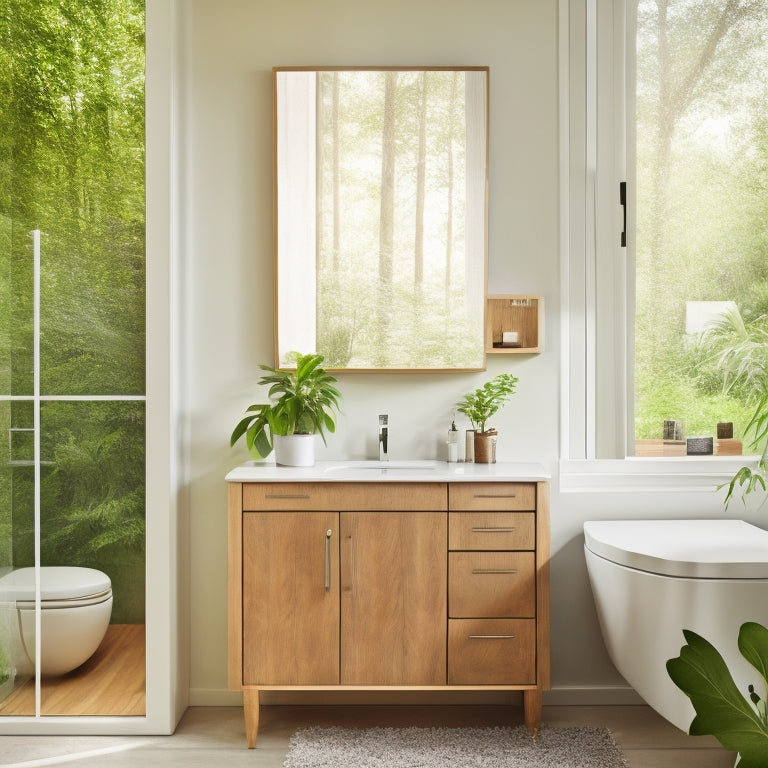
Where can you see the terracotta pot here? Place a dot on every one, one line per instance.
(485, 447)
(294, 450)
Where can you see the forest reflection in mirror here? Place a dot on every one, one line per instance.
(381, 199)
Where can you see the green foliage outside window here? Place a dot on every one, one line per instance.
(702, 182)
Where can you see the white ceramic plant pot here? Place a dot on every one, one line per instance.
(294, 450)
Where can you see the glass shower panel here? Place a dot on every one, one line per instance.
(16, 515)
(16, 457)
(72, 344)
(92, 303)
(6, 492)
(92, 516)
(6, 230)
(16, 314)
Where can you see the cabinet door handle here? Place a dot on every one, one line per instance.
(287, 495)
(328, 535)
(493, 570)
(495, 495)
(479, 529)
(491, 637)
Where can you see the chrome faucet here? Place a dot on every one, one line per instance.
(383, 430)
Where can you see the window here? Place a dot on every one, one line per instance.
(671, 328)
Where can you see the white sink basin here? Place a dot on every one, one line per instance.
(420, 467)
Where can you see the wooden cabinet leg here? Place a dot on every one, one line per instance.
(532, 710)
(251, 710)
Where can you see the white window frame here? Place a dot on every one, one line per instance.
(597, 274)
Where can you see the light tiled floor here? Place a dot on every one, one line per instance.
(215, 736)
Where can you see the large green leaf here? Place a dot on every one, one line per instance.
(721, 710)
(753, 644)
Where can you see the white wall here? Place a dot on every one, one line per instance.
(225, 134)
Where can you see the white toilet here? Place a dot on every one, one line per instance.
(653, 578)
(76, 605)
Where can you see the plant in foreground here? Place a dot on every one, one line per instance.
(721, 710)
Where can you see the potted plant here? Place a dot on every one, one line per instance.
(479, 406)
(302, 403)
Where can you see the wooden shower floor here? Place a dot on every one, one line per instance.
(111, 682)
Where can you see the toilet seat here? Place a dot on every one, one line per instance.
(60, 587)
(702, 549)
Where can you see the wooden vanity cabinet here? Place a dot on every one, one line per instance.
(398, 585)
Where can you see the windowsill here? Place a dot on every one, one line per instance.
(633, 474)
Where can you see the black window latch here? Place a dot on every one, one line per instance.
(623, 201)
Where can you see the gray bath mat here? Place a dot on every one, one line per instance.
(454, 747)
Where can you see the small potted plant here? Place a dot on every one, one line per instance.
(479, 406)
(302, 402)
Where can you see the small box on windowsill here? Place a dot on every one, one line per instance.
(658, 448)
(699, 446)
(728, 447)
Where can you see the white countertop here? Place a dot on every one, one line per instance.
(391, 471)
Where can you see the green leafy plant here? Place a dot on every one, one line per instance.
(738, 352)
(303, 401)
(479, 406)
(750, 479)
(721, 710)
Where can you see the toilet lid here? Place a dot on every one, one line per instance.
(56, 583)
(705, 549)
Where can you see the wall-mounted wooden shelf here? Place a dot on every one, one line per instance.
(519, 314)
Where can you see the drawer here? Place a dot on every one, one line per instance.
(361, 497)
(492, 496)
(492, 530)
(492, 652)
(491, 584)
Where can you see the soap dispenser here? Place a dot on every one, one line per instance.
(453, 442)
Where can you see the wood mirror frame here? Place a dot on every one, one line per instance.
(380, 216)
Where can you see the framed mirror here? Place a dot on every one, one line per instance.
(381, 184)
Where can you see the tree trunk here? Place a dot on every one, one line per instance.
(449, 202)
(675, 95)
(418, 246)
(387, 217)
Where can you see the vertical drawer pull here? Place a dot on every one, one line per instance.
(328, 535)
(493, 570)
(490, 637)
(287, 495)
(493, 529)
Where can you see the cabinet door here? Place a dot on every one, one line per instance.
(393, 598)
(290, 598)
